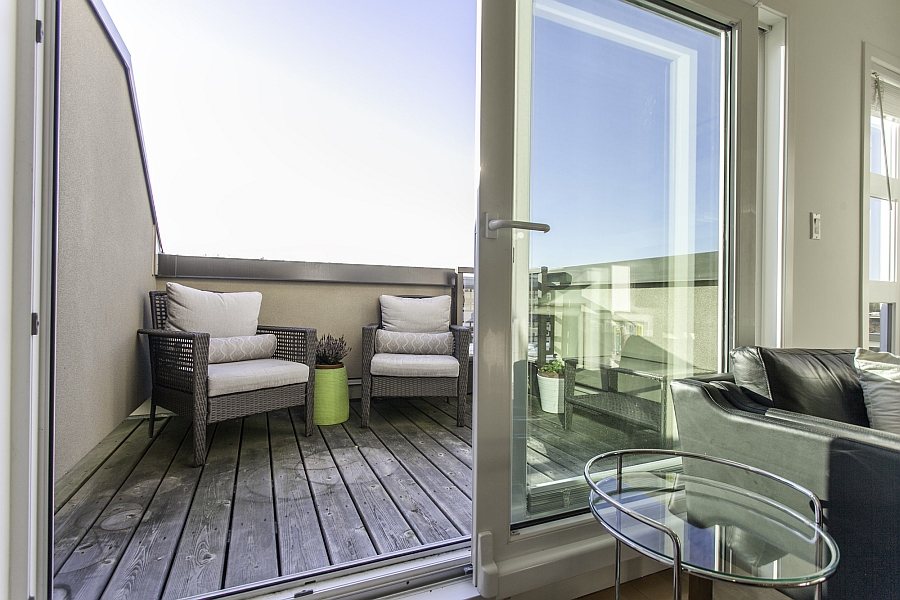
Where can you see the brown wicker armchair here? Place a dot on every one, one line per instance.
(179, 364)
(383, 386)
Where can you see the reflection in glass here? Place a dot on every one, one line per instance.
(882, 240)
(877, 144)
(623, 293)
(881, 317)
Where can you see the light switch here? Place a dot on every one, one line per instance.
(815, 226)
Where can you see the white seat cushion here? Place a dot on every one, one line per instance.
(414, 365)
(250, 375)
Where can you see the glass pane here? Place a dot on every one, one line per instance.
(882, 240)
(877, 144)
(623, 293)
(881, 317)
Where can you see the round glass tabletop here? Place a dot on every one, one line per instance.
(732, 522)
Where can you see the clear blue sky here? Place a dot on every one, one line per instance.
(600, 133)
(319, 130)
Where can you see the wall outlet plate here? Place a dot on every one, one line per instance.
(815, 226)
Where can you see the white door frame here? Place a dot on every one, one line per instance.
(24, 500)
(509, 563)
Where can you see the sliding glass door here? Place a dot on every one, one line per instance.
(619, 142)
(622, 294)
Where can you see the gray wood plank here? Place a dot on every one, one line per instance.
(78, 514)
(453, 444)
(300, 541)
(253, 553)
(387, 527)
(87, 571)
(142, 570)
(451, 500)
(200, 558)
(449, 465)
(75, 477)
(446, 420)
(345, 534)
(438, 406)
(426, 519)
(534, 477)
(545, 465)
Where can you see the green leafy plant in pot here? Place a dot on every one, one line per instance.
(551, 384)
(331, 404)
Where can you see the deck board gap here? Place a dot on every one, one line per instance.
(346, 485)
(274, 495)
(311, 491)
(177, 543)
(237, 469)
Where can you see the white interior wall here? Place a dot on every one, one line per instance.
(825, 49)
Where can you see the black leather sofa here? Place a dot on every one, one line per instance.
(800, 413)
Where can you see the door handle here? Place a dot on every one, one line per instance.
(492, 225)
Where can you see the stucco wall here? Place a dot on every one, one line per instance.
(106, 243)
(825, 94)
(335, 308)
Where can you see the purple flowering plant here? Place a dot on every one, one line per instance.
(331, 350)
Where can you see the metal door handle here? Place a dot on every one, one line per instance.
(494, 224)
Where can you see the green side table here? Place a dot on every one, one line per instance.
(331, 404)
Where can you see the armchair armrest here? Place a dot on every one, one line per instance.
(296, 344)
(462, 337)
(178, 359)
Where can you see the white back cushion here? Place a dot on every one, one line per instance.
(416, 315)
(879, 375)
(219, 315)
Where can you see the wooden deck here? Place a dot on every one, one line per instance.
(134, 519)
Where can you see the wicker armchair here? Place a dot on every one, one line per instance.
(381, 386)
(179, 364)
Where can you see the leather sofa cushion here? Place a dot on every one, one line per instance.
(818, 382)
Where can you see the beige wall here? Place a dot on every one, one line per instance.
(826, 56)
(106, 243)
(335, 308)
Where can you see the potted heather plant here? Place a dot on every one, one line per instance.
(332, 398)
(551, 383)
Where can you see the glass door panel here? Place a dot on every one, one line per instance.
(625, 163)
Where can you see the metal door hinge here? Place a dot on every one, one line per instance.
(38, 31)
(35, 323)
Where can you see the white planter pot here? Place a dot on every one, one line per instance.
(551, 393)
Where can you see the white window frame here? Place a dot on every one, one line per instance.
(871, 291)
(772, 187)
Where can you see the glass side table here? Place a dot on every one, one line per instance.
(710, 517)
